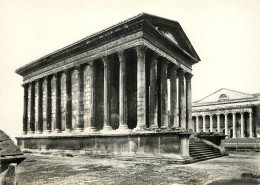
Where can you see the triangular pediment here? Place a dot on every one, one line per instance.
(225, 95)
(173, 32)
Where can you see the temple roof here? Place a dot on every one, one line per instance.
(167, 31)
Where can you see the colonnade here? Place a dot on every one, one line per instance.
(69, 100)
(235, 116)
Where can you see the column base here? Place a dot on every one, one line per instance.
(46, 132)
(39, 132)
(78, 130)
(123, 129)
(154, 126)
(57, 131)
(24, 133)
(107, 130)
(30, 132)
(68, 130)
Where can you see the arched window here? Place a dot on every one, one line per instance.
(223, 97)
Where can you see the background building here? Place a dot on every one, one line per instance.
(227, 111)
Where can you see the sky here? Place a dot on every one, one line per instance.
(224, 33)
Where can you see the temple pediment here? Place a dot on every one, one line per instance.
(225, 95)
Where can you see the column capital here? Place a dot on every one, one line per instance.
(140, 50)
(121, 55)
(155, 56)
(25, 85)
(105, 60)
(91, 62)
(188, 76)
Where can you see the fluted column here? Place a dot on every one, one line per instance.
(68, 128)
(211, 123)
(122, 92)
(173, 96)
(49, 106)
(164, 94)
(182, 119)
(92, 86)
(107, 92)
(25, 108)
(188, 77)
(141, 90)
(204, 122)
(197, 124)
(234, 125)
(218, 122)
(242, 135)
(153, 93)
(80, 123)
(250, 125)
(32, 107)
(226, 124)
(58, 104)
(40, 108)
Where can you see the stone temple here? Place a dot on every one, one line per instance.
(123, 91)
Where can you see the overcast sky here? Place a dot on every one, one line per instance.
(225, 34)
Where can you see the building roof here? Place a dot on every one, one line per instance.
(225, 95)
(168, 31)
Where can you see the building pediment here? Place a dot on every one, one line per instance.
(223, 95)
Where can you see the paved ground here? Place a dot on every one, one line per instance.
(81, 169)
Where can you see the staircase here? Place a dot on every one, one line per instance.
(200, 151)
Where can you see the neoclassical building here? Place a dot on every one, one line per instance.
(113, 82)
(233, 113)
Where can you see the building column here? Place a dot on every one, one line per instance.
(197, 124)
(204, 122)
(107, 92)
(250, 125)
(211, 123)
(80, 123)
(218, 123)
(58, 104)
(242, 135)
(32, 107)
(190, 125)
(173, 96)
(153, 93)
(164, 94)
(182, 119)
(226, 124)
(40, 109)
(49, 106)
(122, 92)
(68, 128)
(234, 125)
(141, 90)
(92, 86)
(25, 108)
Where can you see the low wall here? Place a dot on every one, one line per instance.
(242, 144)
(167, 145)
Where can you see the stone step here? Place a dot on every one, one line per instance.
(200, 151)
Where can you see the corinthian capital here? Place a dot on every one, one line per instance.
(188, 76)
(140, 50)
(121, 55)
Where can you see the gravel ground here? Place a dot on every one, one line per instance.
(82, 169)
